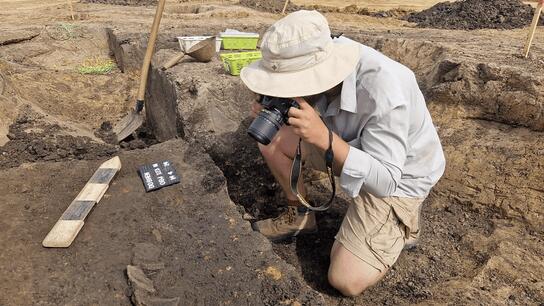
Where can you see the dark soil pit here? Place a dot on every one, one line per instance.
(250, 184)
(140, 139)
(475, 14)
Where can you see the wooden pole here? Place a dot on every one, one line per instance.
(532, 29)
(284, 7)
(149, 50)
(71, 9)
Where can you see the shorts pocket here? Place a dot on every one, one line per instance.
(387, 240)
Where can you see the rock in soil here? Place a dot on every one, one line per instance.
(476, 14)
(138, 280)
(142, 299)
(143, 290)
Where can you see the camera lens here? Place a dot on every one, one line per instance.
(265, 126)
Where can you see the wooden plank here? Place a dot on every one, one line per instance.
(284, 7)
(78, 210)
(71, 9)
(70, 223)
(532, 28)
(92, 192)
(63, 233)
(102, 176)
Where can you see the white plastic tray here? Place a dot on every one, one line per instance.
(186, 42)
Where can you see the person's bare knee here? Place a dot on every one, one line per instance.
(348, 285)
(268, 151)
(349, 274)
(285, 142)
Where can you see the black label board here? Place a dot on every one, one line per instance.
(158, 175)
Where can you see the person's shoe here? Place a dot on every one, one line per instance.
(295, 221)
(411, 242)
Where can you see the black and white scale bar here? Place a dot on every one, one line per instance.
(70, 223)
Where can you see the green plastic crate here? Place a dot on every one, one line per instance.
(234, 62)
(237, 42)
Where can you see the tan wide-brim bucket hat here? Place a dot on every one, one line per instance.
(300, 58)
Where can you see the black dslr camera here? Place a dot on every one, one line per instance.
(271, 118)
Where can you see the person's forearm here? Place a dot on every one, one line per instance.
(379, 179)
(310, 127)
(340, 149)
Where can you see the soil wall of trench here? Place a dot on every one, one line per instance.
(203, 103)
(490, 120)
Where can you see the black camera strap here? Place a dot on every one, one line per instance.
(296, 170)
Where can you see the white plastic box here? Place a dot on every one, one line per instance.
(186, 42)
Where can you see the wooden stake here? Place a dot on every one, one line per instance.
(70, 223)
(532, 29)
(71, 9)
(284, 7)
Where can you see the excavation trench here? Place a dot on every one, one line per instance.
(486, 209)
(482, 225)
(187, 240)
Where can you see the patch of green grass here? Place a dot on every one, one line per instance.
(69, 29)
(96, 66)
(63, 31)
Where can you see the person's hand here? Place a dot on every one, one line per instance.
(256, 108)
(308, 125)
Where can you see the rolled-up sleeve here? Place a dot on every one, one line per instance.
(376, 167)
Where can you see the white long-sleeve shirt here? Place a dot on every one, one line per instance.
(381, 113)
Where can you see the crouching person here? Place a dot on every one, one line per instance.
(368, 111)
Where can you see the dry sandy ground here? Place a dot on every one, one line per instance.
(482, 238)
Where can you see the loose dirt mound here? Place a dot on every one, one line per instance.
(475, 14)
(32, 139)
(123, 2)
(276, 6)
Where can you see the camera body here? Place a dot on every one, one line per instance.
(270, 119)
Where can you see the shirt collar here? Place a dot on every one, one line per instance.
(347, 101)
(348, 97)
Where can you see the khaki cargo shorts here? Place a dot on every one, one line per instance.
(374, 229)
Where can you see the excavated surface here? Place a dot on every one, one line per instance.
(482, 224)
(483, 196)
(200, 240)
